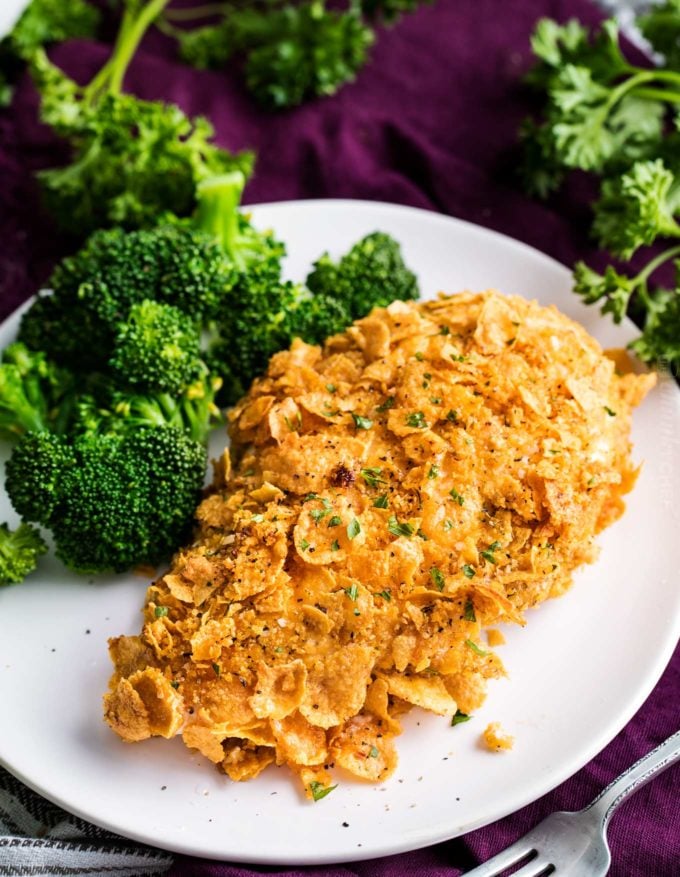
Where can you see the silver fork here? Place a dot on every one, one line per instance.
(575, 844)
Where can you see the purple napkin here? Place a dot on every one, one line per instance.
(431, 123)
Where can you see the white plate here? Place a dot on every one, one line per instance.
(577, 672)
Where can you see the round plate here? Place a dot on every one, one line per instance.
(577, 672)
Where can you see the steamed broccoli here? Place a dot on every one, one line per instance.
(372, 274)
(111, 501)
(132, 159)
(34, 393)
(191, 266)
(157, 347)
(19, 552)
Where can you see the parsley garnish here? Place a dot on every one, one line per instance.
(448, 525)
(362, 422)
(353, 529)
(331, 388)
(438, 578)
(468, 571)
(452, 416)
(335, 521)
(371, 476)
(399, 529)
(160, 611)
(434, 471)
(387, 404)
(386, 595)
(469, 612)
(444, 330)
(320, 791)
(453, 493)
(335, 545)
(459, 718)
(380, 502)
(436, 400)
(475, 648)
(609, 411)
(417, 420)
(488, 553)
(374, 752)
(352, 592)
(217, 669)
(304, 544)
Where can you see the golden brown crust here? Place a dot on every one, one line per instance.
(436, 469)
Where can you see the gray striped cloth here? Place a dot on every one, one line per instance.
(37, 838)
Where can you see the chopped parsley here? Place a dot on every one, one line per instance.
(320, 791)
(217, 669)
(417, 420)
(453, 493)
(475, 648)
(434, 471)
(488, 553)
(335, 521)
(352, 592)
(160, 611)
(609, 411)
(436, 400)
(469, 611)
(335, 545)
(386, 595)
(380, 502)
(353, 529)
(174, 684)
(437, 578)
(444, 330)
(468, 571)
(399, 529)
(448, 525)
(318, 515)
(420, 356)
(362, 422)
(374, 752)
(331, 388)
(452, 416)
(304, 544)
(387, 404)
(459, 718)
(371, 476)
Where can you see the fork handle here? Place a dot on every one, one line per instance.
(640, 773)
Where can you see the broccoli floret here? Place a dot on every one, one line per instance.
(111, 501)
(193, 411)
(67, 331)
(19, 552)
(174, 264)
(157, 348)
(35, 394)
(372, 274)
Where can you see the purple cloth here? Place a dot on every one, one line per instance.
(430, 123)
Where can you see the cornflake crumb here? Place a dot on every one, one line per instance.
(496, 739)
(495, 637)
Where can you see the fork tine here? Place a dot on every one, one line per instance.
(505, 859)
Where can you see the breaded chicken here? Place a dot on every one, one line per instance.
(436, 469)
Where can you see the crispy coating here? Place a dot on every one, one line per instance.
(438, 468)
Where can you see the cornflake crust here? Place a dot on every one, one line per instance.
(437, 469)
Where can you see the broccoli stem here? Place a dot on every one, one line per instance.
(217, 212)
